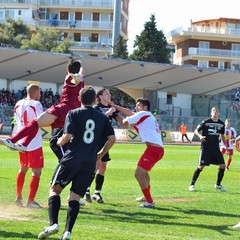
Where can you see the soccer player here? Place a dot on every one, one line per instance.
(147, 127)
(84, 128)
(230, 136)
(26, 110)
(211, 130)
(55, 115)
(59, 150)
(183, 130)
(103, 99)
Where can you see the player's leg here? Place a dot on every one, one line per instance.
(72, 213)
(143, 179)
(99, 180)
(20, 179)
(195, 177)
(30, 131)
(220, 161)
(35, 162)
(87, 195)
(229, 161)
(54, 203)
(33, 188)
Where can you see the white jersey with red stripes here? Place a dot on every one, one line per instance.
(230, 133)
(147, 127)
(25, 111)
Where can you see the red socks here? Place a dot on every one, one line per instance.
(147, 194)
(229, 162)
(19, 184)
(33, 187)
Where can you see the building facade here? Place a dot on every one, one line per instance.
(94, 25)
(211, 43)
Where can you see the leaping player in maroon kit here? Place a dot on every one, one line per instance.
(55, 115)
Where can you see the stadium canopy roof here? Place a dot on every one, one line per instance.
(16, 64)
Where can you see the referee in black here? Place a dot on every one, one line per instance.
(84, 127)
(212, 130)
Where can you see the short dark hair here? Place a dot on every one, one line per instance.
(99, 93)
(144, 102)
(87, 95)
(74, 66)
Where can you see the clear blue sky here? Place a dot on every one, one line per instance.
(175, 13)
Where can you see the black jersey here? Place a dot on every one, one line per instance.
(103, 109)
(87, 126)
(211, 130)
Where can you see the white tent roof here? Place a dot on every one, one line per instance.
(16, 64)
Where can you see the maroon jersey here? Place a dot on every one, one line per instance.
(70, 92)
(69, 100)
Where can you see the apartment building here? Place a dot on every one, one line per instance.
(94, 25)
(211, 43)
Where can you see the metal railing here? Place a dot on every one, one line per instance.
(77, 24)
(204, 29)
(214, 52)
(74, 3)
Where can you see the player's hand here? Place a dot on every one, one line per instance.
(59, 142)
(203, 138)
(111, 111)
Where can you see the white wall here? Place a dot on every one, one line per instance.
(20, 84)
(183, 100)
(3, 83)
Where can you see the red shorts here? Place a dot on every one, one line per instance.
(229, 153)
(32, 159)
(60, 111)
(150, 157)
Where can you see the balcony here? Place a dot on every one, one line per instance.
(217, 53)
(92, 45)
(77, 24)
(19, 2)
(78, 3)
(193, 30)
(60, 3)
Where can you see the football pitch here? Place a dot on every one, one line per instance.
(206, 214)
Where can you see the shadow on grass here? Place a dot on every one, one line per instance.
(24, 235)
(159, 216)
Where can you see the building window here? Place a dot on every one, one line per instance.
(169, 99)
(221, 65)
(235, 50)
(9, 14)
(78, 15)
(204, 48)
(96, 17)
(202, 64)
(64, 15)
(94, 37)
(1, 14)
(77, 37)
(19, 12)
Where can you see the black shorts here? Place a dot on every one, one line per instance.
(106, 158)
(79, 178)
(206, 158)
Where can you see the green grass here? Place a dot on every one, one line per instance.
(179, 214)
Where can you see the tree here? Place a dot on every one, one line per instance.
(151, 44)
(120, 49)
(48, 41)
(13, 33)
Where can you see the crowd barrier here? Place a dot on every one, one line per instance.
(122, 135)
